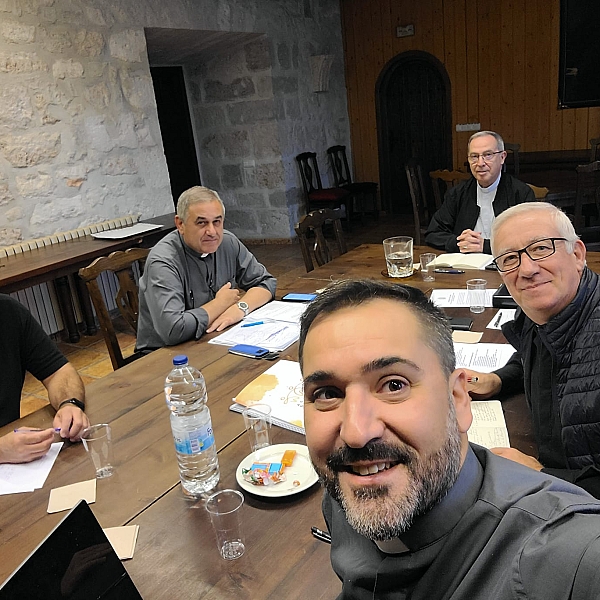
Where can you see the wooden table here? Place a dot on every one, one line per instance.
(57, 262)
(176, 555)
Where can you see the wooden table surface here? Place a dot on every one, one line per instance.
(176, 555)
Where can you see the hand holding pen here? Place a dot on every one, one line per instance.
(482, 386)
(24, 445)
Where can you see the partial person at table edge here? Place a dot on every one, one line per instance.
(463, 222)
(413, 509)
(557, 337)
(25, 346)
(194, 277)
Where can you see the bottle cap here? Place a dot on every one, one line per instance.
(180, 359)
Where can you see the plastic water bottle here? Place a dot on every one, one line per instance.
(185, 393)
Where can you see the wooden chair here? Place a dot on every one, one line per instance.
(514, 148)
(447, 179)
(539, 192)
(364, 192)
(317, 247)
(594, 149)
(126, 298)
(587, 197)
(317, 196)
(422, 211)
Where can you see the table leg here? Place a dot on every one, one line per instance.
(86, 305)
(63, 293)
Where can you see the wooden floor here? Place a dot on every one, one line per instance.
(90, 357)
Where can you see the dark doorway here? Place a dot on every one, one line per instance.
(176, 128)
(414, 121)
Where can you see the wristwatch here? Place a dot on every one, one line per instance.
(78, 403)
(243, 306)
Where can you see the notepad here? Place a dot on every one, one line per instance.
(489, 426)
(458, 260)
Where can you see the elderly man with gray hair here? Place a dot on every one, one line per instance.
(557, 336)
(194, 277)
(463, 222)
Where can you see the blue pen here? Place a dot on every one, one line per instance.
(253, 324)
(56, 429)
(453, 271)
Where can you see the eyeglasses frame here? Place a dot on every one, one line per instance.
(488, 160)
(524, 251)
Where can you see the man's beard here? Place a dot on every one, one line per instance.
(371, 510)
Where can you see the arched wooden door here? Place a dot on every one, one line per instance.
(414, 120)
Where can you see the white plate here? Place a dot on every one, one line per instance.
(301, 470)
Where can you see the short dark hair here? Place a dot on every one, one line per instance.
(437, 333)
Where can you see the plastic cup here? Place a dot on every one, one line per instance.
(399, 256)
(257, 419)
(97, 441)
(225, 508)
(476, 292)
(427, 273)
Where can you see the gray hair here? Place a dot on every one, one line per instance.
(193, 196)
(563, 225)
(437, 333)
(496, 136)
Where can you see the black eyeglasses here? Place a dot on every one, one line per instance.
(487, 156)
(536, 251)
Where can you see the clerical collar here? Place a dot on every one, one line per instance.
(191, 251)
(440, 520)
(491, 188)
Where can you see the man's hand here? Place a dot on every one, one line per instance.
(516, 456)
(228, 296)
(72, 421)
(470, 241)
(232, 315)
(25, 445)
(482, 386)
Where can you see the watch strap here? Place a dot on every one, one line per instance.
(78, 403)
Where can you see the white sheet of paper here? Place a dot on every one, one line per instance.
(273, 335)
(125, 232)
(502, 316)
(26, 477)
(457, 298)
(289, 312)
(482, 357)
(489, 426)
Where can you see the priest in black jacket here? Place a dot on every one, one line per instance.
(464, 221)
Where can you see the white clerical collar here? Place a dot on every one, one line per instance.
(395, 546)
(490, 188)
(204, 255)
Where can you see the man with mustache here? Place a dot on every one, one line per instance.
(557, 335)
(464, 221)
(194, 277)
(413, 509)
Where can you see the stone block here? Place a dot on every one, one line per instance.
(284, 57)
(253, 111)
(10, 236)
(31, 148)
(98, 96)
(55, 41)
(217, 91)
(48, 14)
(265, 140)
(56, 210)
(258, 57)
(17, 33)
(96, 135)
(256, 200)
(70, 68)
(268, 175)
(285, 85)
(14, 214)
(137, 89)
(275, 224)
(128, 45)
(21, 62)
(35, 184)
(95, 16)
(277, 199)
(242, 222)
(231, 176)
(5, 194)
(16, 110)
(119, 165)
(206, 117)
(264, 86)
(126, 136)
(292, 108)
(89, 43)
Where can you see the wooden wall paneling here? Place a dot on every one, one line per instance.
(581, 128)
(375, 61)
(518, 76)
(542, 40)
(437, 16)
(568, 128)
(593, 124)
(505, 89)
(461, 63)
(472, 58)
(449, 61)
(554, 138)
(486, 32)
(532, 98)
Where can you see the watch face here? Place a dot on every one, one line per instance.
(243, 305)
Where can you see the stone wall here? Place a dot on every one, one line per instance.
(79, 133)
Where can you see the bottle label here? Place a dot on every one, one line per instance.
(194, 442)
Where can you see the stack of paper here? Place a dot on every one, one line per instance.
(278, 329)
(457, 298)
(459, 260)
(482, 357)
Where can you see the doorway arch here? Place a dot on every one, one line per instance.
(414, 121)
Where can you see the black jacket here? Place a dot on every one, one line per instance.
(459, 210)
(572, 339)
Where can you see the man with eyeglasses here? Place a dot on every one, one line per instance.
(464, 221)
(557, 337)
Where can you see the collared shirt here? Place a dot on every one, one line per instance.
(485, 201)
